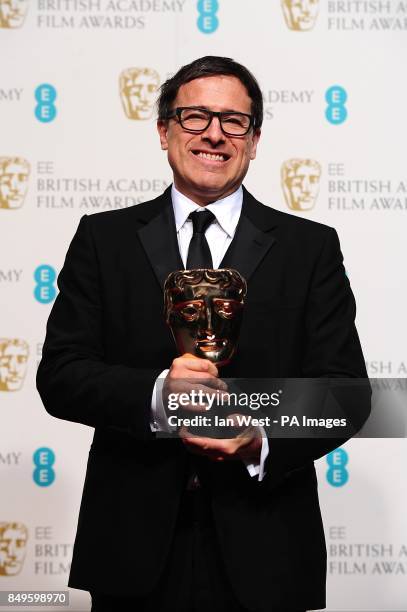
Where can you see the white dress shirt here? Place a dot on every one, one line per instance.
(219, 235)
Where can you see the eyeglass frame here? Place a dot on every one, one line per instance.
(219, 114)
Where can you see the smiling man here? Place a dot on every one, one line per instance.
(209, 158)
(230, 525)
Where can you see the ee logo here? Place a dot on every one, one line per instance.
(337, 474)
(45, 291)
(207, 20)
(45, 111)
(336, 111)
(44, 459)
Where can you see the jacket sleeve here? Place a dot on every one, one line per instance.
(332, 350)
(74, 379)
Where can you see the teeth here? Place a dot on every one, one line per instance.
(209, 156)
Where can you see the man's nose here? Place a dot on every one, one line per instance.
(214, 132)
(14, 182)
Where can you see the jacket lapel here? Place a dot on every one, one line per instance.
(159, 239)
(253, 237)
(252, 241)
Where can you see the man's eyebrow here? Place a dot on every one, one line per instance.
(227, 110)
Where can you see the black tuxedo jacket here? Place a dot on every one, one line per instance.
(107, 342)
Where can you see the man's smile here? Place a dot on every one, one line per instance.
(216, 157)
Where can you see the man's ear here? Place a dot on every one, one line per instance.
(255, 140)
(162, 127)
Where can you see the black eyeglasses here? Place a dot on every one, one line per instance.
(195, 119)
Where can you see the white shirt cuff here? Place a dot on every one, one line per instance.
(257, 469)
(158, 417)
(159, 422)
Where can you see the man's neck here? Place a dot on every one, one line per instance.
(204, 200)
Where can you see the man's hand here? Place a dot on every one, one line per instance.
(180, 379)
(246, 445)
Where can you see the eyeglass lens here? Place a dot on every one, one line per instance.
(196, 119)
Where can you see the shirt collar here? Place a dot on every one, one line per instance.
(227, 210)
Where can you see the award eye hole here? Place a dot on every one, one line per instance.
(226, 310)
(190, 312)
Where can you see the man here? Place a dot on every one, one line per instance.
(230, 525)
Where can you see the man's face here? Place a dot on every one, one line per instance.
(206, 180)
(300, 14)
(302, 186)
(13, 185)
(12, 13)
(205, 321)
(13, 364)
(139, 90)
(12, 551)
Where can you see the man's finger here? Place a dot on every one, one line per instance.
(197, 365)
(191, 396)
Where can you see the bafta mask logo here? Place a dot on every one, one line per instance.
(300, 182)
(13, 363)
(12, 13)
(300, 15)
(138, 87)
(13, 544)
(204, 311)
(14, 175)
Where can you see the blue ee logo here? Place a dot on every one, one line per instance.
(207, 20)
(337, 474)
(44, 459)
(44, 277)
(45, 95)
(336, 111)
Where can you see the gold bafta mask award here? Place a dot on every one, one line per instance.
(300, 180)
(13, 545)
(204, 310)
(138, 88)
(14, 175)
(12, 13)
(300, 15)
(13, 363)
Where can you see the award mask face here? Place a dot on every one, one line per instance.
(204, 310)
(13, 363)
(13, 545)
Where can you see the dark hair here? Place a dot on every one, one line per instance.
(210, 65)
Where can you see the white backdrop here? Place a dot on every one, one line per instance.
(88, 155)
